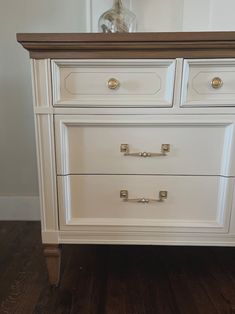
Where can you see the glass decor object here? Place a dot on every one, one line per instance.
(118, 19)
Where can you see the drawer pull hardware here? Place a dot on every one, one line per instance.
(216, 82)
(143, 200)
(165, 148)
(113, 83)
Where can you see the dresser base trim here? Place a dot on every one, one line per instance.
(138, 238)
(148, 239)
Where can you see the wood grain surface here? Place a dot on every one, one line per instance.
(113, 279)
(129, 45)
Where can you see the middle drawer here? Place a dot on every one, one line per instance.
(176, 145)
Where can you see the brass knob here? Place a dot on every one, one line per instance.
(113, 83)
(216, 82)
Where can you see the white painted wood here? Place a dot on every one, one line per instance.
(196, 203)
(19, 208)
(41, 72)
(91, 145)
(232, 218)
(176, 110)
(198, 172)
(135, 236)
(178, 83)
(197, 78)
(44, 127)
(50, 237)
(142, 83)
(47, 171)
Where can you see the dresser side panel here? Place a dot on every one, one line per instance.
(44, 126)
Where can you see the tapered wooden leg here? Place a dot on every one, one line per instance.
(52, 253)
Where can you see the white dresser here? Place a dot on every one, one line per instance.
(135, 138)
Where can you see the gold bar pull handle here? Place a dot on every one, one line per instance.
(165, 148)
(162, 196)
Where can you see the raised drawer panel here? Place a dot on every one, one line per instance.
(208, 83)
(110, 83)
(92, 145)
(192, 202)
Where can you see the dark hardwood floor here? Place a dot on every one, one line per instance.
(113, 279)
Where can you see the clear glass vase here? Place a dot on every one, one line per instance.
(117, 20)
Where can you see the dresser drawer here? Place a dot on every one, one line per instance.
(186, 202)
(208, 83)
(121, 83)
(134, 145)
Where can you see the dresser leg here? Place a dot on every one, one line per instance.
(52, 253)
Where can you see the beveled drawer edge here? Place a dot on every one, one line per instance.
(125, 100)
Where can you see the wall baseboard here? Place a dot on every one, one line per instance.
(19, 208)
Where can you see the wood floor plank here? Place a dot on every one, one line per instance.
(199, 260)
(15, 252)
(225, 257)
(88, 296)
(138, 299)
(23, 277)
(219, 272)
(153, 285)
(164, 299)
(192, 275)
(116, 291)
(113, 279)
(179, 283)
(10, 237)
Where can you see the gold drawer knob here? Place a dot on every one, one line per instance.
(162, 197)
(216, 82)
(113, 83)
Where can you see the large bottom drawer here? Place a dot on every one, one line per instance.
(194, 203)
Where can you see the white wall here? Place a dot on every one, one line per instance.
(152, 15)
(174, 15)
(208, 15)
(18, 170)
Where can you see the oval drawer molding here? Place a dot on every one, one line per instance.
(183, 145)
(190, 203)
(113, 83)
(208, 83)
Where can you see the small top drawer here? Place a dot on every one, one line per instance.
(208, 82)
(110, 83)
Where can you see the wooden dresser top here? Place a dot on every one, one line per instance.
(129, 45)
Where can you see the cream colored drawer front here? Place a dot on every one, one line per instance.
(208, 83)
(85, 83)
(91, 145)
(192, 202)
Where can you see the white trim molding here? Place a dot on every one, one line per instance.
(19, 208)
